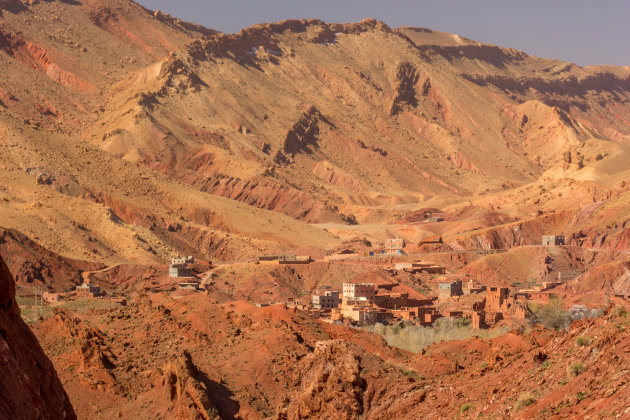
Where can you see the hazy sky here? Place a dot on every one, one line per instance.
(581, 31)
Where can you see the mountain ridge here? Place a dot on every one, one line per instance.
(228, 115)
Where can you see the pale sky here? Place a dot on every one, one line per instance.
(581, 31)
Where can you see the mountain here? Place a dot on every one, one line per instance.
(128, 137)
(138, 135)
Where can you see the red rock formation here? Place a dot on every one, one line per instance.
(29, 386)
(38, 58)
(189, 394)
(32, 264)
(331, 384)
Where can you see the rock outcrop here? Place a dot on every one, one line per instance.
(33, 265)
(189, 394)
(404, 90)
(331, 386)
(29, 386)
(304, 132)
(38, 58)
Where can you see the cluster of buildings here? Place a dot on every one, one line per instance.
(494, 308)
(544, 292)
(393, 246)
(365, 303)
(180, 267)
(499, 302)
(458, 288)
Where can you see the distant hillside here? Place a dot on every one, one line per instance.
(140, 136)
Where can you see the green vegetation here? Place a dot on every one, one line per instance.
(414, 338)
(551, 315)
(461, 322)
(583, 341)
(525, 399)
(29, 309)
(464, 408)
(621, 311)
(575, 369)
(410, 373)
(404, 370)
(545, 364)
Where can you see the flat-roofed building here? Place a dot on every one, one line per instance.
(356, 290)
(183, 260)
(179, 270)
(179, 267)
(420, 267)
(284, 259)
(497, 299)
(51, 297)
(328, 299)
(188, 286)
(359, 310)
(450, 289)
(549, 240)
(394, 246)
(88, 290)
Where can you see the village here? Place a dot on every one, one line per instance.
(359, 303)
(368, 303)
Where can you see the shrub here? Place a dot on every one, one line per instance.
(621, 310)
(410, 373)
(524, 400)
(582, 312)
(545, 364)
(464, 408)
(583, 341)
(461, 322)
(533, 306)
(414, 337)
(575, 369)
(553, 315)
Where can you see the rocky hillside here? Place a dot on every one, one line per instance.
(235, 360)
(285, 102)
(128, 137)
(29, 386)
(143, 136)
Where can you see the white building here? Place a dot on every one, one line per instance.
(356, 290)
